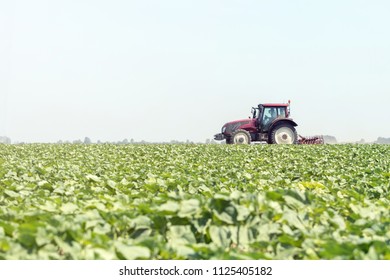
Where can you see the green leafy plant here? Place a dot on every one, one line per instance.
(194, 201)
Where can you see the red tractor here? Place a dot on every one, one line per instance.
(269, 123)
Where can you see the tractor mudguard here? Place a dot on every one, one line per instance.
(279, 120)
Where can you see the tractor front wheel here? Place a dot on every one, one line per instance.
(241, 136)
(283, 133)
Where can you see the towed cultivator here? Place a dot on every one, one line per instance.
(311, 140)
(269, 123)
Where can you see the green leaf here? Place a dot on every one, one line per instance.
(93, 178)
(141, 222)
(131, 252)
(42, 237)
(4, 245)
(170, 207)
(188, 207)
(228, 215)
(220, 235)
(11, 193)
(181, 235)
(68, 208)
(49, 206)
(242, 213)
(293, 220)
(26, 235)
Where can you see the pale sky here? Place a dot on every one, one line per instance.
(177, 69)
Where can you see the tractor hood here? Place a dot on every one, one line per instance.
(239, 121)
(229, 127)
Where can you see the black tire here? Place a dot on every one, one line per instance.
(283, 133)
(241, 137)
(229, 140)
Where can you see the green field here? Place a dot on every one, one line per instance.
(194, 201)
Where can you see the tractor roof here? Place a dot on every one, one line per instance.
(275, 104)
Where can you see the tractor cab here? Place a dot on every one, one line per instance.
(266, 114)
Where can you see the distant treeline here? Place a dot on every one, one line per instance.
(5, 140)
(329, 139)
(125, 141)
(382, 140)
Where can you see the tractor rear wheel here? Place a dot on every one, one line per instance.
(241, 136)
(283, 133)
